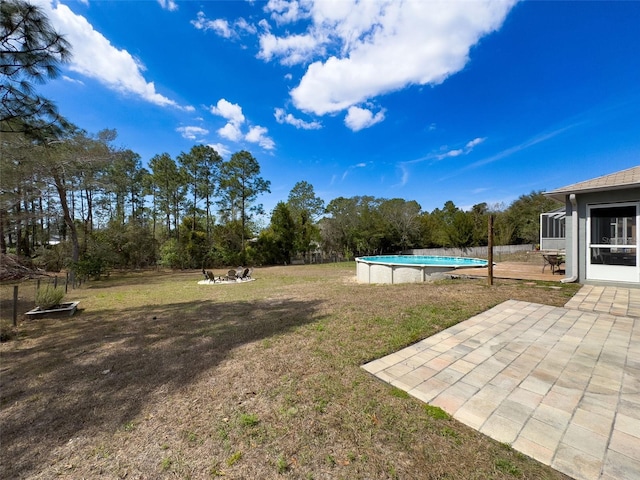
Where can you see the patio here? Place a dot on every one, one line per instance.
(561, 385)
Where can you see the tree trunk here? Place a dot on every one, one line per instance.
(68, 220)
(3, 241)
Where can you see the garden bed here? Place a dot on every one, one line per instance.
(64, 309)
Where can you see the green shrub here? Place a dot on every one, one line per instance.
(171, 254)
(92, 265)
(48, 297)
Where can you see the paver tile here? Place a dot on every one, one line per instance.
(504, 382)
(407, 382)
(536, 385)
(470, 417)
(552, 416)
(462, 366)
(515, 411)
(594, 422)
(576, 463)
(424, 373)
(620, 467)
(563, 398)
(628, 425)
(625, 444)
(534, 450)
(449, 376)
(451, 399)
(431, 387)
(398, 370)
(526, 398)
(585, 440)
(575, 379)
(542, 433)
(501, 429)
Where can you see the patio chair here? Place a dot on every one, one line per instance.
(554, 261)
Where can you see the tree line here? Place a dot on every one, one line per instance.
(106, 209)
(78, 201)
(73, 199)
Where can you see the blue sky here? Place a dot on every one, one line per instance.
(469, 101)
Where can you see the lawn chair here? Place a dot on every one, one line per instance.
(211, 277)
(245, 275)
(232, 276)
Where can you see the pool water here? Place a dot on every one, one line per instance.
(410, 268)
(426, 260)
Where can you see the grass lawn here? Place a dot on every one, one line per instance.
(159, 377)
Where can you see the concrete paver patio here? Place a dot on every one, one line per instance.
(561, 385)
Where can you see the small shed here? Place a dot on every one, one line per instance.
(602, 241)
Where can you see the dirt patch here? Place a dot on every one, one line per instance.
(159, 377)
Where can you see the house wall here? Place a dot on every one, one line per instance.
(613, 196)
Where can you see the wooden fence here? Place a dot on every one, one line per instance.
(477, 252)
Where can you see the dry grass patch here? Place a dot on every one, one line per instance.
(159, 377)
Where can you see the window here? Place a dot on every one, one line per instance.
(613, 235)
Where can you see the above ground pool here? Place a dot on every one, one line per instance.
(409, 268)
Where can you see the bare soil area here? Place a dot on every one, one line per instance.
(156, 376)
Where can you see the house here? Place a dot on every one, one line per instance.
(602, 224)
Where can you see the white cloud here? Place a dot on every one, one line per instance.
(95, 57)
(222, 27)
(191, 133)
(476, 141)
(242, 25)
(468, 148)
(222, 149)
(283, 117)
(229, 111)
(285, 11)
(433, 157)
(170, 5)
(231, 132)
(451, 153)
(232, 112)
(358, 118)
(258, 134)
(376, 46)
(72, 80)
(404, 177)
(351, 168)
(292, 50)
